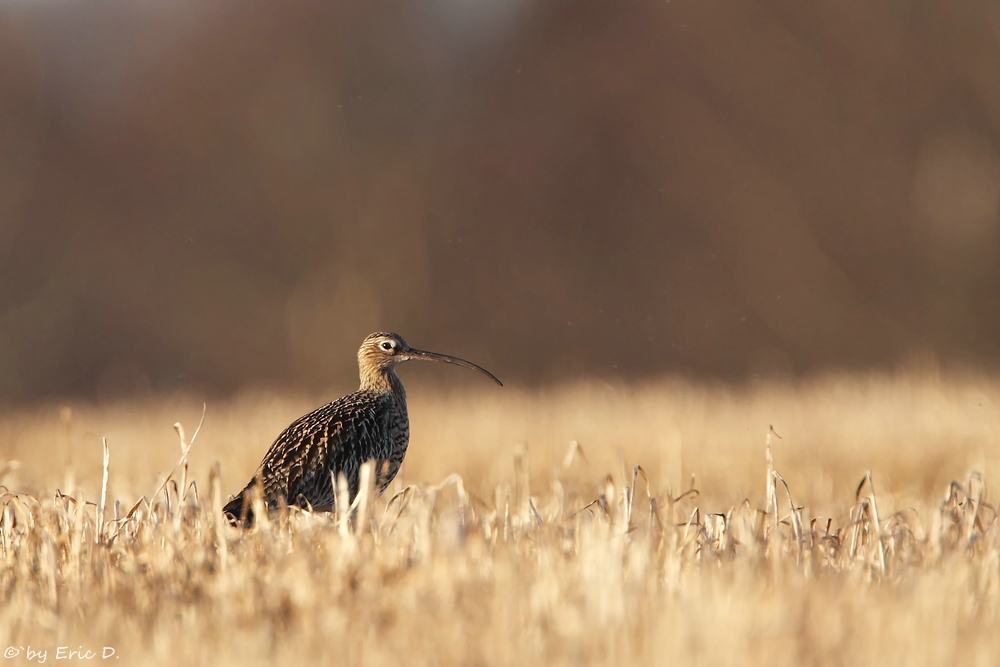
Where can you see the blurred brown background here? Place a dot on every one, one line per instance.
(211, 194)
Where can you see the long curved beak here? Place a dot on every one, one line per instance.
(421, 355)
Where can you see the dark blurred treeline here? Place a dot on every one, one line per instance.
(218, 193)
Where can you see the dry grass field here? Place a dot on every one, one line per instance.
(501, 543)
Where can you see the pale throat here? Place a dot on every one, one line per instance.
(382, 381)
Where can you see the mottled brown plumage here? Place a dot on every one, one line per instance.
(370, 424)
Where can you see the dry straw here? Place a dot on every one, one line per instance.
(543, 569)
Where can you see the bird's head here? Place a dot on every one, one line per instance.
(381, 352)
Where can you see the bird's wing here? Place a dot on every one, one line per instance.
(328, 440)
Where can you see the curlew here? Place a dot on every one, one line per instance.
(337, 438)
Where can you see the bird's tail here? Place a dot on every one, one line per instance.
(238, 510)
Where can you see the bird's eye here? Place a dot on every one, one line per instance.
(386, 345)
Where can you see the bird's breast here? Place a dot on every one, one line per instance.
(399, 433)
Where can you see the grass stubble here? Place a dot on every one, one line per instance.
(666, 523)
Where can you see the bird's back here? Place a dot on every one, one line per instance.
(334, 439)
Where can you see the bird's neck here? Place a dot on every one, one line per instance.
(383, 381)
